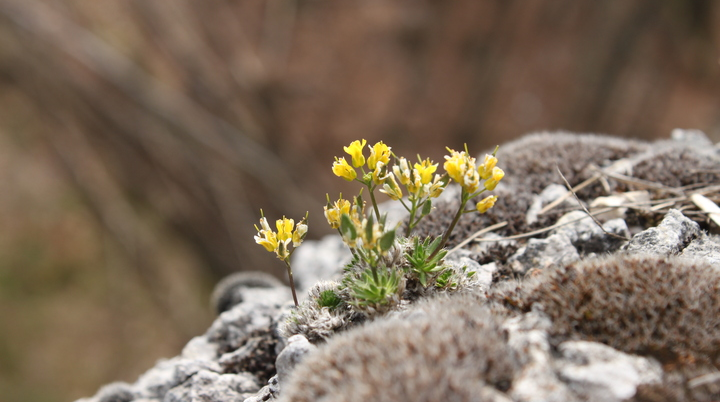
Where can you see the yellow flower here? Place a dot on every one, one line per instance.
(334, 213)
(279, 242)
(342, 169)
(486, 168)
(497, 175)
(455, 165)
(391, 188)
(284, 228)
(486, 203)
(266, 237)
(461, 168)
(425, 170)
(267, 240)
(355, 151)
(379, 153)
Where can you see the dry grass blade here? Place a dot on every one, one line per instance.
(704, 379)
(707, 205)
(640, 183)
(478, 233)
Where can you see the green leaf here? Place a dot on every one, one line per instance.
(369, 228)
(347, 227)
(427, 207)
(435, 244)
(328, 298)
(387, 240)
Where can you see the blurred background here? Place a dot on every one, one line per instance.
(140, 138)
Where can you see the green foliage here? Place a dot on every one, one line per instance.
(424, 260)
(330, 299)
(443, 280)
(374, 287)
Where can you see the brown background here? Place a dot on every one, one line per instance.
(140, 138)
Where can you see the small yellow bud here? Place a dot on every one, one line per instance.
(402, 171)
(355, 151)
(380, 173)
(378, 153)
(282, 250)
(342, 169)
(471, 180)
(299, 234)
(437, 187)
(492, 182)
(264, 224)
(486, 203)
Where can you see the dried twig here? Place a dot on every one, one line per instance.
(585, 209)
(567, 195)
(478, 233)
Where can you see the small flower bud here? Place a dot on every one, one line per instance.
(497, 175)
(486, 203)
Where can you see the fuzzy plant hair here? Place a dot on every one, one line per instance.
(667, 308)
(449, 350)
(322, 314)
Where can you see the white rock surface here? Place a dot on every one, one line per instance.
(599, 373)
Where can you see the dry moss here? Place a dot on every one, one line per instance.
(664, 308)
(449, 351)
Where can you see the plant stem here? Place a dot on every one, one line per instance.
(411, 224)
(449, 230)
(372, 199)
(292, 282)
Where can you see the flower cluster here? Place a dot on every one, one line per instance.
(377, 162)
(461, 168)
(380, 258)
(279, 242)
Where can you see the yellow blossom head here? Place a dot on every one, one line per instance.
(342, 169)
(456, 165)
(425, 170)
(279, 242)
(486, 203)
(355, 151)
(334, 212)
(284, 228)
(379, 153)
(461, 168)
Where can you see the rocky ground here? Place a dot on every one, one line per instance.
(563, 307)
